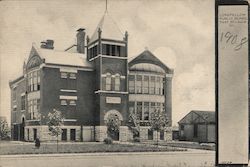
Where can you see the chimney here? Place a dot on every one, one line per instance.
(80, 37)
(48, 44)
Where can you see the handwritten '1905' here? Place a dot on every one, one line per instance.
(233, 39)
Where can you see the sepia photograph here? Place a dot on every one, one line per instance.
(124, 83)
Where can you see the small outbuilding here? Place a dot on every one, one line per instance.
(198, 126)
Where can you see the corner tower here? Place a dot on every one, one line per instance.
(107, 49)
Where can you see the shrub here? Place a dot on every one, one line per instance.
(108, 140)
(137, 139)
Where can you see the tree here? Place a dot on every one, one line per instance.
(55, 120)
(113, 124)
(4, 130)
(158, 121)
(134, 124)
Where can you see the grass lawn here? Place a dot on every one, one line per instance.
(192, 145)
(91, 147)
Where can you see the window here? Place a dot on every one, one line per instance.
(162, 135)
(146, 111)
(163, 108)
(158, 106)
(145, 84)
(72, 102)
(64, 134)
(182, 127)
(139, 110)
(34, 134)
(93, 51)
(113, 50)
(152, 85)
(23, 102)
(38, 105)
(72, 75)
(38, 80)
(117, 82)
(63, 102)
(64, 75)
(150, 134)
(28, 134)
(131, 107)
(31, 81)
(118, 51)
(31, 110)
(72, 134)
(131, 84)
(138, 84)
(108, 50)
(34, 81)
(34, 108)
(157, 86)
(152, 108)
(162, 86)
(108, 81)
(104, 49)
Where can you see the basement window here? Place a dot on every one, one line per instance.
(63, 102)
(64, 75)
(72, 102)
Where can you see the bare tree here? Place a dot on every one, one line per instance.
(134, 123)
(113, 124)
(4, 130)
(158, 121)
(55, 120)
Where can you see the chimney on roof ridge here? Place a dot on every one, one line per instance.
(48, 44)
(80, 40)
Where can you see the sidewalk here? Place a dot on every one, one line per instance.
(190, 151)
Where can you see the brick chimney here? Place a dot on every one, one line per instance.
(48, 44)
(80, 37)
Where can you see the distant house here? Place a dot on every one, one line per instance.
(198, 126)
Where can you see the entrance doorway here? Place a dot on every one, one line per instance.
(22, 125)
(113, 120)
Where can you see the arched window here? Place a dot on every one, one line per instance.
(117, 82)
(108, 81)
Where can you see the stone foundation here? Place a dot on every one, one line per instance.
(125, 134)
(88, 133)
(91, 133)
(44, 135)
(100, 133)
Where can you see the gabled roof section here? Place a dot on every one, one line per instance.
(50, 56)
(209, 116)
(147, 57)
(109, 29)
(197, 116)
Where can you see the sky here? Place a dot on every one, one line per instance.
(178, 32)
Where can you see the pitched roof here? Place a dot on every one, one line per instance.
(209, 116)
(63, 58)
(147, 57)
(197, 116)
(109, 28)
